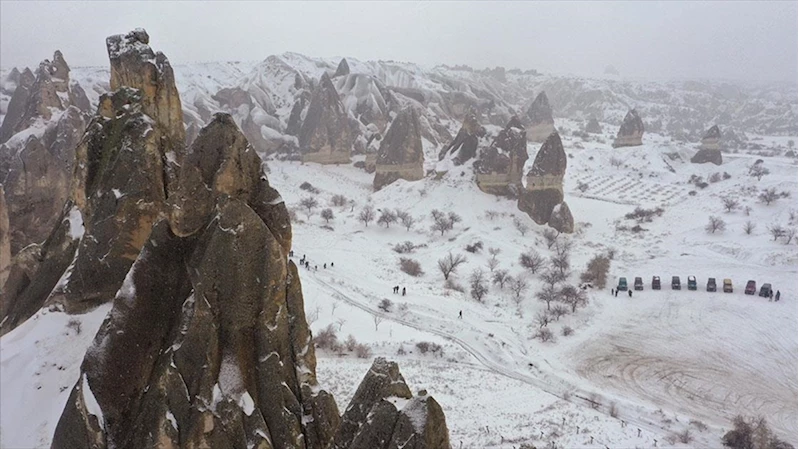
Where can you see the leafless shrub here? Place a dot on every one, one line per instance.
(520, 226)
(475, 247)
(573, 297)
(477, 284)
(444, 222)
(309, 203)
(616, 162)
(542, 319)
(532, 261)
(715, 224)
(730, 203)
(558, 311)
(350, 343)
(500, 277)
(547, 295)
(642, 215)
(338, 200)
(385, 305)
(613, 410)
(411, 267)
(776, 231)
(406, 219)
(757, 170)
(75, 325)
(326, 338)
(377, 320)
(749, 227)
(492, 264)
(700, 426)
(494, 252)
(387, 217)
(768, 196)
(552, 278)
(685, 437)
(404, 247)
(518, 285)
(790, 233)
(550, 236)
(452, 285)
(450, 263)
(544, 334)
(308, 187)
(491, 215)
(363, 351)
(367, 215)
(566, 331)
(714, 178)
(327, 214)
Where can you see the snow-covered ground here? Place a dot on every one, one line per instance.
(657, 361)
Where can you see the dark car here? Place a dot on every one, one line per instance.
(711, 284)
(727, 286)
(638, 284)
(675, 283)
(691, 282)
(655, 282)
(765, 290)
(622, 285)
(751, 288)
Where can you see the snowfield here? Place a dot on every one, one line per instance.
(635, 372)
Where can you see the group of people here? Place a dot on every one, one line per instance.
(772, 296)
(615, 292)
(307, 264)
(396, 289)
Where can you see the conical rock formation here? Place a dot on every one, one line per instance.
(710, 149)
(630, 132)
(400, 155)
(544, 188)
(593, 126)
(540, 123)
(499, 167)
(342, 69)
(466, 141)
(325, 135)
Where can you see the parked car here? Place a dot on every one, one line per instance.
(655, 282)
(711, 284)
(622, 284)
(727, 286)
(765, 289)
(691, 282)
(675, 283)
(751, 287)
(638, 284)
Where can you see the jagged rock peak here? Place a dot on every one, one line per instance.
(713, 133)
(551, 158)
(343, 68)
(400, 155)
(325, 136)
(499, 167)
(631, 131)
(465, 142)
(593, 126)
(540, 111)
(5, 242)
(710, 149)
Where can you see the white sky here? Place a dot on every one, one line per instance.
(648, 39)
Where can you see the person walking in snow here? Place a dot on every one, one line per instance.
(617, 293)
(403, 291)
(777, 296)
(630, 293)
(460, 314)
(324, 266)
(611, 292)
(331, 264)
(770, 295)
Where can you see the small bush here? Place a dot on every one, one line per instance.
(544, 334)
(326, 338)
(426, 346)
(338, 200)
(685, 437)
(642, 215)
(475, 247)
(715, 177)
(566, 331)
(700, 426)
(75, 325)
(423, 346)
(401, 351)
(404, 247)
(363, 351)
(308, 187)
(350, 343)
(411, 267)
(726, 175)
(581, 186)
(385, 305)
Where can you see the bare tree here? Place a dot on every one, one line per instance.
(333, 307)
(340, 323)
(573, 297)
(715, 224)
(377, 319)
(492, 264)
(749, 227)
(518, 285)
(747, 210)
(406, 219)
(520, 226)
(563, 246)
(309, 203)
(387, 217)
(550, 236)
(532, 261)
(501, 277)
(339, 200)
(450, 263)
(552, 278)
(367, 215)
(542, 319)
(757, 170)
(561, 262)
(477, 282)
(616, 162)
(776, 231)
(547, 295)
(597, 271)
(494, 252)
(730, 204)
(790, 233)
(768, 196)
(558, 311)
(327, 214)
(544, 335)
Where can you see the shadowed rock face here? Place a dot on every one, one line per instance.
(499, 167)
(342, 69)
(593, 126)
(630, 132)
(562, 219)
(544, 188)
(5, 242)
(400, 155)
(539, 117)
(384, 414)
(325, 135)
(465, 142)
(710, 149)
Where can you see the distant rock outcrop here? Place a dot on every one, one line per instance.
(325, 135)
(384, 414)
(710, 149)
(540, 123)
(593, 126)
(343, 68)
(499, 167)
(465, 142)
(400, 155)
(5, 242)
(544, 190)
(630, 132)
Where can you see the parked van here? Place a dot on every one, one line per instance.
(622, 284)
(638, 284)
(655, 282)
(727, 286)
(751, 287)
(675, 283)
(691, 282)
(765, 290)
(711, 284)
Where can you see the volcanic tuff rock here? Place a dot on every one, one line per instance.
(540, 123)
(562, 219)
(5, 243)
(325, 135)
(593, 126)
(343, 68)
(365, 99)
(544, 190)
(500, 167)
(710, 149)
(400, 155)
(384, 414)
(630, 132)
(465, 142)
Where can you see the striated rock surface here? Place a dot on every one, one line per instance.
(710, 149)
(630, 132)
(544, 190)
(464, 146)
(593, 126)
(499, 167)
(400, 155)
(384, 414)
(540, 123)
(325, 135)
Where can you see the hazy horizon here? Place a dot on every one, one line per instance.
(745, 41)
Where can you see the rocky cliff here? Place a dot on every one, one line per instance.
(630, 132)
(543, 193)
(325, 135)
(499, 167)
(400, 155)
(540, 123)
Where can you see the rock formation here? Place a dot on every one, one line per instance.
(499, 167)
(593, 126)
(465, 142)
(5, 242)
(710, 149)
(342, 69)
(630, 132)
(400, 155)
(561, 219)
(540, 123)
(325, 135)
(544, 190)
(384, 414)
